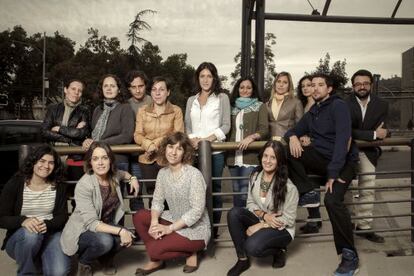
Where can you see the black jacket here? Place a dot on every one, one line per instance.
(11, 201)
(67, 134)
(377, 111)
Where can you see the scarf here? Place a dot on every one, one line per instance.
(246, 104)
(69, 107)
(100, 127)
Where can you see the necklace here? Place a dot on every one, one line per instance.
(264, 185)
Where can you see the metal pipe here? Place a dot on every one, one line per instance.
(260, 47)
(396, 8)
(246, 38)
(43, 74)
(412, 190)
(339, 19)
(204, 165)
(23, 153)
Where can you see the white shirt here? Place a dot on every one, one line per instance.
(364, 111)
(206, 120)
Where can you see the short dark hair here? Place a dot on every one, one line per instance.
(172, 139)
(235, 93)
(328, 79)
(122, 95)
(68, 82)
(362, 72)
(158, 79)
(131, 75)
(35, 154)
(216, 85)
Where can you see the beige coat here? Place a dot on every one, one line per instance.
(151, 128)
(290, 113)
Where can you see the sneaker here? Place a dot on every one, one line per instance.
(279, 259)
(311, 227)
(310, 199)
(349, 264)
(239, 267)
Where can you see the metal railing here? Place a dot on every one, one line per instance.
(204, 165)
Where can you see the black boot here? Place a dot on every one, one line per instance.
(239, 267)
(279, 259)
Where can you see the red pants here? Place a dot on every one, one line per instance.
(170, 246)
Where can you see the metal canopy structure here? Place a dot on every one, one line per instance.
(255, 10)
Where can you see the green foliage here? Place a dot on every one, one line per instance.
(270, 66)
(337, 72)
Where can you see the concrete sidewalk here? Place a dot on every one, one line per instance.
(306, 256)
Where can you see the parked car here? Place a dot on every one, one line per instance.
(14, 133)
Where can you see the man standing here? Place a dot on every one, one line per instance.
(330, 154)
(137, 82)
(368, 113)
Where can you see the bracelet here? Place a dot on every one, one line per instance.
(263, 216)
(120, 229)
(132, 178)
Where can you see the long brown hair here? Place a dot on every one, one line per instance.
(280, 177)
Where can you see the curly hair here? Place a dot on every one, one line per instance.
(299, 91)
(235, 93)
(122, 95)
(35, 154)
(184, 142)
(280, 177)
(87, 166)
(216, 85)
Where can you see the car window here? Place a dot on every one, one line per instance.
(14, 134)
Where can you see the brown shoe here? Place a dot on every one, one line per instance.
(189, 268)
(143, 272)
(84, 270)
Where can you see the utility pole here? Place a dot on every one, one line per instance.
(44, 73)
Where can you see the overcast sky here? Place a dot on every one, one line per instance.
(210, 30)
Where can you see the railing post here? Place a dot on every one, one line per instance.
(204, 164)
(23, 153)
(412, 190)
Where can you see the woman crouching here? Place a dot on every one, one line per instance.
(267, 224)
(92, 231)
(184, 229)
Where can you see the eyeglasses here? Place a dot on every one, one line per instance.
(360, 84)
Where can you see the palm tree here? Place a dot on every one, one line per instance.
(135, 27)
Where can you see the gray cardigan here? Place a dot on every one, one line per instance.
(224, 113)
(119, 128)
(87, 214)
(288, 208)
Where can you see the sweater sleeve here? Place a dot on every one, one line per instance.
(60, 211)
(301, 128)
(343, 129)
(159, 193)
(290, 205)
(250, 203)
(127, 130)
(197, 199)
(263, 123)
(8, 200)
(225, 122)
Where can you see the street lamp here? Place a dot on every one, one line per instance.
(43, 53)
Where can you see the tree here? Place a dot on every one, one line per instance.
(135, 28)
(337, 72)
(270, 66)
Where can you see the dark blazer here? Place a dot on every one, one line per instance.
(376, 113)
(11, 202)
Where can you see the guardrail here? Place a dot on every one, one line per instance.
(204, 164)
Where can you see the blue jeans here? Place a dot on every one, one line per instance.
(31, 250)
(136, 203)
(97, 245)
(240, 185)
(264, 242)
(217, 164)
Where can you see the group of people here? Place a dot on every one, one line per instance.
(310, 132)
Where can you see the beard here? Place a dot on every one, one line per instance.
(362, 94)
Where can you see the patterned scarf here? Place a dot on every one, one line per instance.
(100, 127)
(246, 104)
